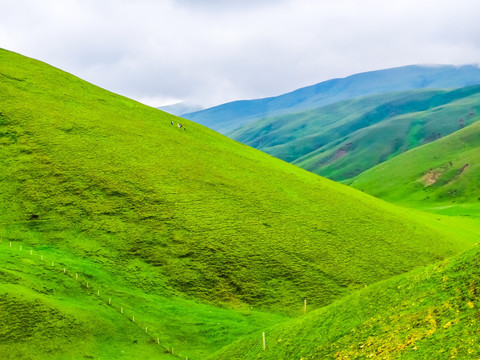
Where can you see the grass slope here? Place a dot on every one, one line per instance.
(176, 218)
(230, 116)
(341, 140)
(46, 313)
(441, 176)
(427, 314)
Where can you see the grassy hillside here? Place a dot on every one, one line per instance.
(441, 176)
(48, 313)
(230, 116)
(184, 226)
(341, 140)
(427, 314)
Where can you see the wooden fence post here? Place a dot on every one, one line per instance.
(263, 338)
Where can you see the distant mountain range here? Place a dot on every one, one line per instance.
(180, 108)
(343, 139)
(230, 116)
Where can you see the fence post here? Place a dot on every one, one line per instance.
(305, 306)
(263, 338)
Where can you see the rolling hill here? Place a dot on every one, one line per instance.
(441, 176)
(230, 116)
(342, 140)
(427, 314)
(125, 235)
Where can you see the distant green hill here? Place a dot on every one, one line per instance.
(233, 115)
(441, 176)
(430, 313)
(205, 240)
(342, 140)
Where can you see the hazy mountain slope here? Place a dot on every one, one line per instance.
(341, 140)
(427, 314)
(180, 108)
(167, 219)
(443, 174)
(230, 116)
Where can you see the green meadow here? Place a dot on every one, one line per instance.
(185, 243)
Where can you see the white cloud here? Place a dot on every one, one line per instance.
(214, 51)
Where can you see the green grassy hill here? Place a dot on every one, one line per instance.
(441, 176)
(427, 314)
(342, 140)
(203, 239)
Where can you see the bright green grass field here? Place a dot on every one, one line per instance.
(431, 313)
(46, 313)
(198, 235)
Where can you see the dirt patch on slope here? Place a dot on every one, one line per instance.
(432, 175)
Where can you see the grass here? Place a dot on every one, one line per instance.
(430, 313)
(204, 239)
(52, 311)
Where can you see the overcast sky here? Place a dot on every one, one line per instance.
(213, 51)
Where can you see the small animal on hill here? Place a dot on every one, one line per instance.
(179, 125)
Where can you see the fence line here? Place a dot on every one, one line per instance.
(255, 351)
(151, 334)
